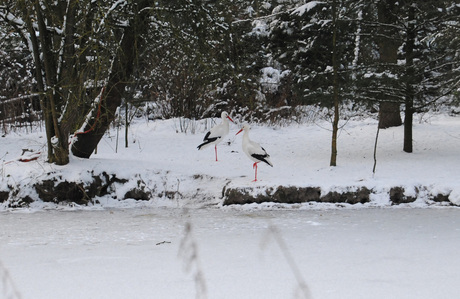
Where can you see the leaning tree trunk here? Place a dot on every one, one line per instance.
(111, 95)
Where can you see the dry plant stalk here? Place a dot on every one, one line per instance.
(188, 251)
(302, 288)
(7, 287)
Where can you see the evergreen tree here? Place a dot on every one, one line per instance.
(316, 41)
(202, 58)
(414, 67)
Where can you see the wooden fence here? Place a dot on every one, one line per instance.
(19, 112)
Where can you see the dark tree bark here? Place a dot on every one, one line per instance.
(335, 123)
(42, 46)
(69, 77)
(410, 73)
(389, 114)
(111, 97)
(40, 83)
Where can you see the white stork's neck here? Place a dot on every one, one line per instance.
(225, 126)
(245, 135)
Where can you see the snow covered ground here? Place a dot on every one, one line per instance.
(122, 248)
(167, 162)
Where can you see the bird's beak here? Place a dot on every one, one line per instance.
(239, 132)
(230, 119)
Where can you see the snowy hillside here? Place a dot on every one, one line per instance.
(165, 165)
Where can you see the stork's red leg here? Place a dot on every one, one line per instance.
(255, 166)
(215, 148)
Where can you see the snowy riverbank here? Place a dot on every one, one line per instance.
(163, 167)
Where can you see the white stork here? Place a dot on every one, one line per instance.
(217, 133)
(253, 150)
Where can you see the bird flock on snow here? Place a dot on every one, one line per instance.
(252, 149)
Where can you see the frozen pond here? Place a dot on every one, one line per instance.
(144, 253)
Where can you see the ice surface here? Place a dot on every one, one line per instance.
(134, 253)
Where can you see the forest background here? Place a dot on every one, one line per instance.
(76, 66)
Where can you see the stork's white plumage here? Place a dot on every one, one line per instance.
(253, 150)
(217, 133)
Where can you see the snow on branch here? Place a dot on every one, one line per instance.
(10, 18)
(110, 10)
(301, 10)
(19, 98)
(18, 24)
(95, 105)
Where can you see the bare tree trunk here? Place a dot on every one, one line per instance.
(335, 123)
(104, 113)
(409, 101)
(126, 125)
(389, 114)
(59, 141)
(40, 81)
(408, 119)
(122, 69)
(69, 77)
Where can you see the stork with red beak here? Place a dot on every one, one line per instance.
(253, 150)
(217, 133)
